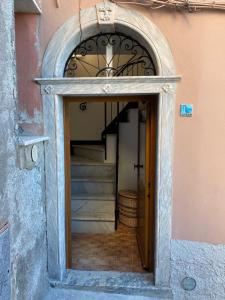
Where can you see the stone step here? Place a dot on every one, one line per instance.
(84, 168)
(108, 285)
(99, 197)
(92, 152)
(92, 206)
(92, 227)
(92, 185)
(82, 294)
(93, 216)
(94, 222)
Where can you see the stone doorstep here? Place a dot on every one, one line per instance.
(114, 283)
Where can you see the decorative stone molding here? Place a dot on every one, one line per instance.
(109, 86)
(105, 14)
(47, 90)
(28, 150)
(167, 88)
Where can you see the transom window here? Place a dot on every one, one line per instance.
(108, 55)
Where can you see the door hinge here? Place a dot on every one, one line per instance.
(138, 166)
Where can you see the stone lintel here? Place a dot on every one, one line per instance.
(107, 86)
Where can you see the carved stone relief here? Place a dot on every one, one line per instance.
(105, 15)
(47, 90)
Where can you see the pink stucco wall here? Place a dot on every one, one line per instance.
(28, 65)
(198, 46)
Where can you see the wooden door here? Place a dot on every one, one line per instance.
(67, 185)
(146, 182)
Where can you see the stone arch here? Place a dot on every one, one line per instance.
(126, 21)
(54, 86)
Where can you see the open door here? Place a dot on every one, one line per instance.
(67, 182)
(146, 181)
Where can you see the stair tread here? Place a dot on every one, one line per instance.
(93, 216)
(93, 179)
(100, 148)
(77, 160)
(91, 197)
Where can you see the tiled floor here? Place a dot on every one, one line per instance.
(117, 251)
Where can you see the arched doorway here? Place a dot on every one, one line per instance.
(93, 217)
(54, 87)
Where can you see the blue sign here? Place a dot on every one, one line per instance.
(186, 110)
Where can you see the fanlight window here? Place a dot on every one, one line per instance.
(108, 55)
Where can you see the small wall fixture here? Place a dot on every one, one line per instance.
(186, 110)
(188, 284)
(28, 150)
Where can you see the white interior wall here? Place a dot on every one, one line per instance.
(87, 124)
(111, 111)
(111, 148)
(128, 152)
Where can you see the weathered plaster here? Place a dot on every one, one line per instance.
(59, 49)
(28, 233)
(30, 117)
(22, 201)
(4, 262)
(7, 104)
(203, 262)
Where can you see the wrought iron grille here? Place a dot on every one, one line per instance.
(108, 55)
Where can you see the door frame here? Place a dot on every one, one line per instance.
(55, 172)
(54, 87)
(147, 254)
(150, 164)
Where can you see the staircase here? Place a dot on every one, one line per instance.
(94, 180)
(93, 183)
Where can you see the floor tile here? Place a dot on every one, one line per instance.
(117, 251)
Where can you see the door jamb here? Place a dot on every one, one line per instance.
(53, 90)
(66, 120)
(66, 102)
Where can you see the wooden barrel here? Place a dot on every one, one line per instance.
(128, 208)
